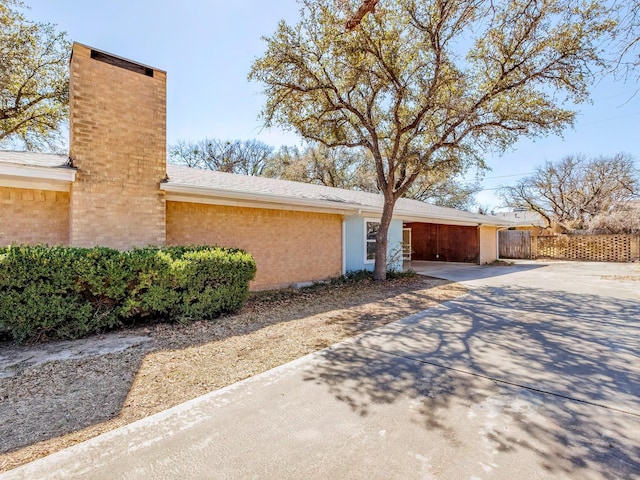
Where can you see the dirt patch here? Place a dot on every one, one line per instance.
(57, 395)
(16, 358)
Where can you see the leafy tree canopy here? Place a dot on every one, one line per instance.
(34, 95)
(427, 86)
(331, 167)
(445, 191)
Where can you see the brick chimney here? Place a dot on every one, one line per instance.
(118, 144)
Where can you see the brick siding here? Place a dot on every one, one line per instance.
(599, 248)
(33, 216)
(118, 144)
(288, 246)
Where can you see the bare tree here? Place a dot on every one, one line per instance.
(248, 157)
(429, 85)
(572, 192)
(627, 43)
(623, 218)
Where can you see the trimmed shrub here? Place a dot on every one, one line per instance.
(187, 282)
(66, 292)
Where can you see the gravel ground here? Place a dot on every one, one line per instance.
(55, 395)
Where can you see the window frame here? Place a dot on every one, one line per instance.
(368, 261)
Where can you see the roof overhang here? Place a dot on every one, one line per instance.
(38, 178)
(444, 220)
(211, 196)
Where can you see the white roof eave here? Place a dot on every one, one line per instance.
(409, 216)
(41, 173)
(37, 178)
(179, 192)
(263, 200)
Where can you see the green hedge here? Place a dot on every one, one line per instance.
(68, 292)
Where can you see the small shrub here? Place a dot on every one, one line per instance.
(356, 276)
(398, 274)
(66, 292)
(353, 276)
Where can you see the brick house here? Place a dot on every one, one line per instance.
(115, 189)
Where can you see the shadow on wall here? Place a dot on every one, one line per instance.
(474, 356)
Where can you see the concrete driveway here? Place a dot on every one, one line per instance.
(534, 374)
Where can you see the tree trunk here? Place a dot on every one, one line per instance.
(380, 266)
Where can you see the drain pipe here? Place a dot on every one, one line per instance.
(344, 246)
(355, 213)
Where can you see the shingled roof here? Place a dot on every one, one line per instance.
(184, 182)
(207, 186)
(34, 159)
(47, 171)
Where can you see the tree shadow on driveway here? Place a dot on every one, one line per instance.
(559, 372)
(86, 387)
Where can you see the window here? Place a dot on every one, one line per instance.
(371, 230)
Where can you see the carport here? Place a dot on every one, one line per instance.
(444, 243)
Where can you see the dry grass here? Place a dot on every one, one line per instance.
(51, 406)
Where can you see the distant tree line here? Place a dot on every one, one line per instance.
(351, 169)
(601, 194)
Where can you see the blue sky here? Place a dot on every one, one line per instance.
(207, 48)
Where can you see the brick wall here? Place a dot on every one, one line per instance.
(288, 246)
(118, 144)
(33, 216)
(599, 248)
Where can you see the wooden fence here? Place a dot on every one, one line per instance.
(514, 244)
